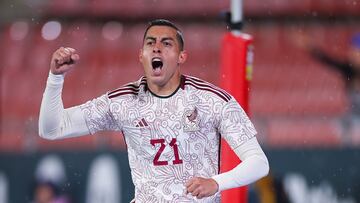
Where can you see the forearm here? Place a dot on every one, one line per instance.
(327, 59)
(55, 122)
(254, 166)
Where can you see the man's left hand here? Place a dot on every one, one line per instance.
(201, 187)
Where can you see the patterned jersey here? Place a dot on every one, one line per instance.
(171, 139)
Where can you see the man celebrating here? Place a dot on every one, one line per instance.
(172, 123)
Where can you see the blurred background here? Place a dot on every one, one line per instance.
(304, 98)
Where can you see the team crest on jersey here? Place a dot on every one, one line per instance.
(191, 120)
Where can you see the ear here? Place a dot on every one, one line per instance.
(182, 57)
(140, 55)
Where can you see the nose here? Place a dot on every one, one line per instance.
(156, 48)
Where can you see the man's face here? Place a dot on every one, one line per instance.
(161, 55)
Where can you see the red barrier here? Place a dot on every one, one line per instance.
(236, 69)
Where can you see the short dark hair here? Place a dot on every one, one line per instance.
(163, 22)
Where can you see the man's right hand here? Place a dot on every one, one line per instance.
(63, 60)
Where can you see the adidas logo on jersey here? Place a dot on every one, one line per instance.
(142, 123)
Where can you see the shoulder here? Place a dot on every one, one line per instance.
(207, 87)
(131, 88)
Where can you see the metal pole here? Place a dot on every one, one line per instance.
(236, 11)
(236, 14)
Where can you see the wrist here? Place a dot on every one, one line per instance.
(218, 180)
(216, 184)
(55, 79)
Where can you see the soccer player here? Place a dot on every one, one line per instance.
(349, 68)
(172, 123)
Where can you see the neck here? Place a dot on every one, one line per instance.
(165, 89)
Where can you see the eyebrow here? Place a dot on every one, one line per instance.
(150, 38)
(167, 38)
(162, 39)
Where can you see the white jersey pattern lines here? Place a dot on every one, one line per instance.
(171, 139)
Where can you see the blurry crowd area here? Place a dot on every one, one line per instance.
(295, 100)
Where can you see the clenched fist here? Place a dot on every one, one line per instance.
(63, 60)
(201, 187)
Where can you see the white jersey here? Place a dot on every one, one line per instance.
(171, 139)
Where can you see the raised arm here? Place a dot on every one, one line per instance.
(55, 122)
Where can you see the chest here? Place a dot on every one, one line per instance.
(168, 119)
(169, 130)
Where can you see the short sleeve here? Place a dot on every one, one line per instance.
(235, 126)
(98, 116)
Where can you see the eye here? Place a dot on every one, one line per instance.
(150, 43)
(167, 44)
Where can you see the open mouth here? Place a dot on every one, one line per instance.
(156, 63)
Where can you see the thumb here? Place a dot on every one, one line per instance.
(75, 57)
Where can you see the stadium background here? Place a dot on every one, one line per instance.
(296, 103)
